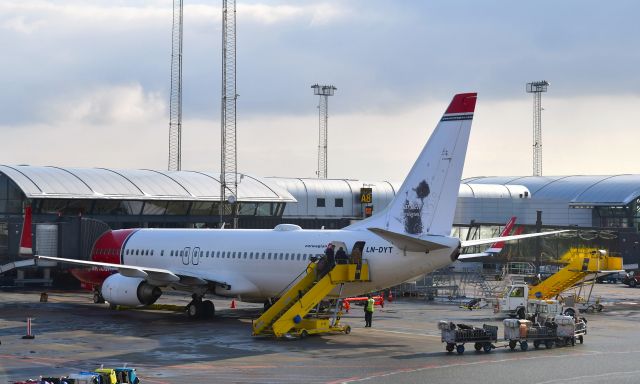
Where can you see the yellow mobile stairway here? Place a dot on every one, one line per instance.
(581, 263)
(287, 316)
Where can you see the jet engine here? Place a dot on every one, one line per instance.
(131, 291)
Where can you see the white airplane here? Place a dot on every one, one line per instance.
(496, 247)
(409, 238)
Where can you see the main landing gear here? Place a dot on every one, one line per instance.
(200, 309)
(97, 296)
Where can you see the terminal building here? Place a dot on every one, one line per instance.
(73, 206)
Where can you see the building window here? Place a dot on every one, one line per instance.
(320, 203)
(339, 203)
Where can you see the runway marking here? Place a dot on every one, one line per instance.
(407, 333)
(580, 378)
(484, 361)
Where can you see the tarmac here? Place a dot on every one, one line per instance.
(403, 346)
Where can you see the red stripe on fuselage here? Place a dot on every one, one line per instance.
(107, 249)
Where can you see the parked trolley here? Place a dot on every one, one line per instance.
(456, 335)
(560, 331)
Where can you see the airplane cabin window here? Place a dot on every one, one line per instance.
(262, 256)
(152, 252)
(207, 254)
(162, 252)
(299, 255)
(281, 256)
(137, 252)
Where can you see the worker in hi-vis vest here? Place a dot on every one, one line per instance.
(368, 311)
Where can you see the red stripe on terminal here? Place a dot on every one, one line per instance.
(463, 103)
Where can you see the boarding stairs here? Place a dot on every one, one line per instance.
(580, 264)
(289, 312)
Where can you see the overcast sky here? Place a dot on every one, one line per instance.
(86, 83)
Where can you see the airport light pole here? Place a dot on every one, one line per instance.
(324, 91)
(537, 88)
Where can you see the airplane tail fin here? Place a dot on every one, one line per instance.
(426, 202)
(26, 239)
(498, 245)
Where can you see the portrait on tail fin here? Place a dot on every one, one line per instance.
(413, 209)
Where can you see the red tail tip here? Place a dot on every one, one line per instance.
(463, 103)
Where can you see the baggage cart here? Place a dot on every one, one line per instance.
(560, 331)
(457, 335)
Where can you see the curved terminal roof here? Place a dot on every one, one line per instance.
(307, 191)
(135, 184)
(576, 190)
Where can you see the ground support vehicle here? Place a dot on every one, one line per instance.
(457, 335)
(562, 331)
(290, 315)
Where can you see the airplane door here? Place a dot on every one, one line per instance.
(195, 258)
(185, 255)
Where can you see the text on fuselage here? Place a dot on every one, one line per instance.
(378, 249)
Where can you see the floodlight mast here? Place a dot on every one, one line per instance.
(537, 88)
(228, 150)
(175, 98)
(324, 91)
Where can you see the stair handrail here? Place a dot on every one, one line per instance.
(306, 270)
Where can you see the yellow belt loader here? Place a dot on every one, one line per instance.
(582, 264)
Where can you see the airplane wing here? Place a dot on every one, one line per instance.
(157, 275)
(471, 243)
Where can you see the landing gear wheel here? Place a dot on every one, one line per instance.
(194, 310)
(524, 345)
(513, 344)
(536, 344)
(208, 309)
(487, 348)
(477, 346)
(304, 334)
(548, 344)
(97, 298)
(347, 330)
(581, 339)
(570, 312)
(460, 349)
(450, 347)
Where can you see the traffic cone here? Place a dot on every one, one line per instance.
(233, 304)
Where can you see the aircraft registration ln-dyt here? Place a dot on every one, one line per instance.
(407, 239)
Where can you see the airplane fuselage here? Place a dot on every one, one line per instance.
(259, 264)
